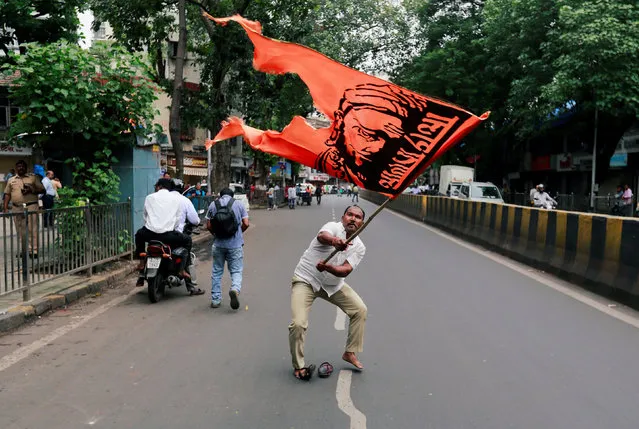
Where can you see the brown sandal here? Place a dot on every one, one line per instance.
(306, 375)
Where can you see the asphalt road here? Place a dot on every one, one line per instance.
(454, 340)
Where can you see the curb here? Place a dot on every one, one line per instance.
(23, 313)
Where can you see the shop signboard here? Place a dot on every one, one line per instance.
(13, 150)
(619, 160)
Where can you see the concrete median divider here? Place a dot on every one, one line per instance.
(597, 252)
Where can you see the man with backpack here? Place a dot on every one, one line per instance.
(226, 221)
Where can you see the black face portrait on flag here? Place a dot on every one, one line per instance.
(383, 135)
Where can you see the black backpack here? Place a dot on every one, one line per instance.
(224, 224)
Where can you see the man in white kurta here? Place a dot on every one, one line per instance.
(315, 279)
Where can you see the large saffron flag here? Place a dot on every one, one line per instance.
(382, 136)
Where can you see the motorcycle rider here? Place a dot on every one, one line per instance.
(542, 199)
(533, 192)
(161, 216)
(187, 214)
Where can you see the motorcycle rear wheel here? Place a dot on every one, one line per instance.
(156, 288)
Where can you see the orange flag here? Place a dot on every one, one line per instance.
(382, 136)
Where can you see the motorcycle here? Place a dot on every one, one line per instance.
(546, 205)
(163, 265)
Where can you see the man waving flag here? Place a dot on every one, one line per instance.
(382, 136)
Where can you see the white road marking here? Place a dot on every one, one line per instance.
(580, 295)
(340, 320)
(24, 352)
(340, 317)
(343, 392)
(344, 402)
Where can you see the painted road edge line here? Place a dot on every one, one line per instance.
(340, 317)
(24, 352)
(344, 402)
(578, 295)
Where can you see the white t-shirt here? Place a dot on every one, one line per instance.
(307, 266)
(187, 213)
(161, 211)
(291, 193)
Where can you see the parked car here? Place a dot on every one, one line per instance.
(240, 194)
(480, 191)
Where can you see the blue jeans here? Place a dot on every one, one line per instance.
(235, 260)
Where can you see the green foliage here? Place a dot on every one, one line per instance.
(84, 95)
(595, 55)
(95, 181)
(523, 61)
(25, 21)
(87, 102)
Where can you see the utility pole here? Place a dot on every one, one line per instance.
(209, 166)
(594, 162)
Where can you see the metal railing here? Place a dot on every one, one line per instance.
(41, 245)
(604, 204)
(259, 197)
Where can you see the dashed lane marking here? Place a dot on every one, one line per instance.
(340, 320)
(344, 402)
(343, 392)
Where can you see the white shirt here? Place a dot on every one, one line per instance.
(187, 212)
(307, 266)
(48, 187)
(542, 198)
(291, 193)
(161, 211)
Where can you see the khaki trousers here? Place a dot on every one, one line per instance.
(302, 297)
(22, 223)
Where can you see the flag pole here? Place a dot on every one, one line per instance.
(361, 228)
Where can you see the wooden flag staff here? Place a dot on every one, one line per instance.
(361, 228)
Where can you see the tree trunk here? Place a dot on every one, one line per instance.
(221, 171)
(175, 127)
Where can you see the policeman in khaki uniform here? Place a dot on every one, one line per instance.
(23, 188)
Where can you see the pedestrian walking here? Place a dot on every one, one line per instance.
(276, 194)
(318, 195)
(315, 279)
(292, 197)
(23, 189)
(355, 194)
(48, 199)
(626, 201)
(195, 195)
(227, 220)
(270, 196)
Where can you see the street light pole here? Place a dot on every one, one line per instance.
(594, 162)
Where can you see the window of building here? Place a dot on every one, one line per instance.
(8, 112)
(173, 49)
(100, 34)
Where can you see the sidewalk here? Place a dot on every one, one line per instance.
(63, 291)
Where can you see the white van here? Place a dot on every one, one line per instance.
(480, 191)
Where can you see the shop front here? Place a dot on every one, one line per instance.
(195, 169)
